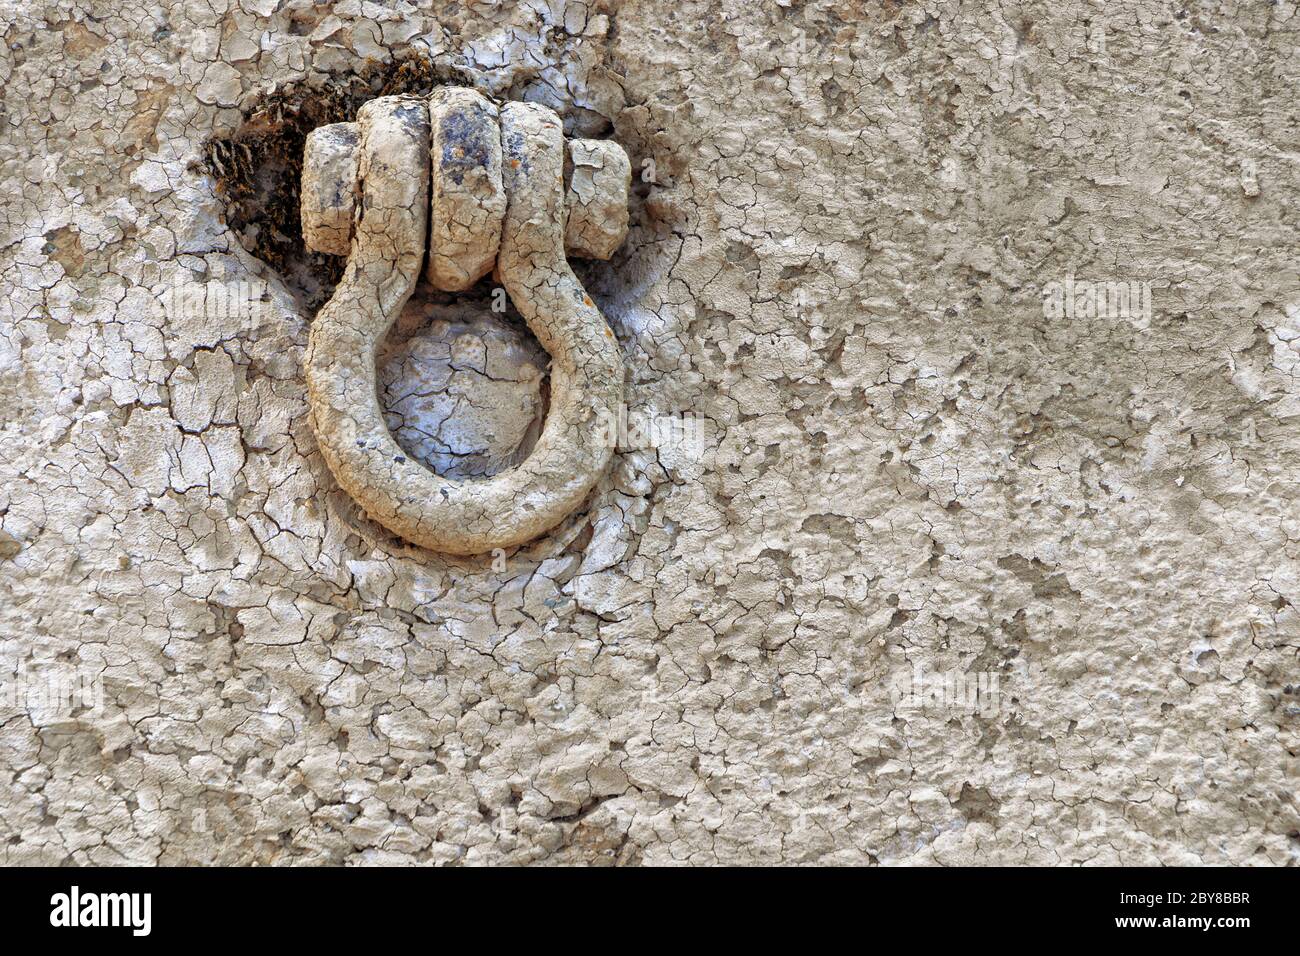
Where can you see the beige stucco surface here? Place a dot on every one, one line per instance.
(847, 218)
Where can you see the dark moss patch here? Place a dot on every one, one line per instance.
(464, 145)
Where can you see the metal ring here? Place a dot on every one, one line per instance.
(573, 451)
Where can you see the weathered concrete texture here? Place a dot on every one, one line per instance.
(462, 397)
(838, 256)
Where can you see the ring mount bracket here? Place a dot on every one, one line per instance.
(487, 186)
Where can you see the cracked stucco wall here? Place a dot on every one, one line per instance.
(913, 469)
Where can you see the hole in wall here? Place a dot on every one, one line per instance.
(258, 169)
